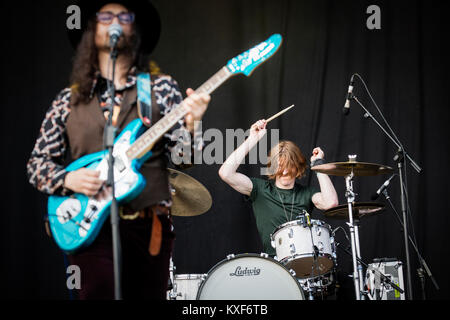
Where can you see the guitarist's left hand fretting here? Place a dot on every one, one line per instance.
(196, 103)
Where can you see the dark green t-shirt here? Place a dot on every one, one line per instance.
(268, 208)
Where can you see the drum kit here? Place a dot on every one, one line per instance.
(305, 263)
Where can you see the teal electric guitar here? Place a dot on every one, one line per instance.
(76, 220)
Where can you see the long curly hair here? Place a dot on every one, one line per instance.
(85, 64)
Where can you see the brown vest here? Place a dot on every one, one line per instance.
(85, 126)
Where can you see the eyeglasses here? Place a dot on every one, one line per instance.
(106, 17)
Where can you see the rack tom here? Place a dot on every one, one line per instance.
(309, 251)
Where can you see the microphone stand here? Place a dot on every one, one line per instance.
(108, 138)
(400, 159)
(423, 263)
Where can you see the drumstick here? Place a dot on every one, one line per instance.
(279, 114)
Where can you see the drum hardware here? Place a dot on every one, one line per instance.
(354, 234)
(316, 253)
(349, 170)
(320, 286)
(310, 291)
(170, 285)
(183, 286)
(301, 218)
(190, 198)
(345, 233)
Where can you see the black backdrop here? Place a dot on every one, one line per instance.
(404, 63)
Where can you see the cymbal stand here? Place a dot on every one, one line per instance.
(358, 256)
(354, 235)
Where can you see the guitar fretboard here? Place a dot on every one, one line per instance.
(146, 141)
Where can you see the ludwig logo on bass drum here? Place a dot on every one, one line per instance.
(239, 272)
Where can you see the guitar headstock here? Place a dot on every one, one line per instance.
(247, 62)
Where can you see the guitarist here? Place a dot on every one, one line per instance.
(74, 125)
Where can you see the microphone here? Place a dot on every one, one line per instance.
(114, 31)
(383, 186)
(346, 108)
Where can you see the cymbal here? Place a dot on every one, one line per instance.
(190, 198)
(358, 168)
(360, 210)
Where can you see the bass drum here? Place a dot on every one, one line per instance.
(250, 277)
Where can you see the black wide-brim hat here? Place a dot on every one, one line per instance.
(146, 19)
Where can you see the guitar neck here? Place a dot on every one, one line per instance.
(146, 141)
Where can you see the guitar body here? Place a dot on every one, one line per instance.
(76, 220)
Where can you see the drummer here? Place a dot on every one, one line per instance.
(280, 198)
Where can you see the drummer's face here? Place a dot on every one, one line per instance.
(286, 178)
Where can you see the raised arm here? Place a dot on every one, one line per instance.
(327, 197)
(228, 171)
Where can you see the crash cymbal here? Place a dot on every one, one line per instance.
(358, 168)
(190, 198)
(360, 210)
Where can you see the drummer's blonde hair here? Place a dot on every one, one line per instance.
(286, 155)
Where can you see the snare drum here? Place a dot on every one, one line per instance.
(294, 243)
(185, 286)
(250, 277)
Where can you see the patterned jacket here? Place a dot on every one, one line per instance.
(45, 167)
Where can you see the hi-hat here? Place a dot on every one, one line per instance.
(358, 168)
(360, 210)
(190, 198)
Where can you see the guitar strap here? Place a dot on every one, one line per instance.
(144, 98)
(144, 104)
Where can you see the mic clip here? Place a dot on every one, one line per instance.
(350, 96)
(308, 221)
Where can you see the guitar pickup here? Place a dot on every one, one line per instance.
(119, 165)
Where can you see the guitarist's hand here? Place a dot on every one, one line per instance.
(197, 105)
(84, 181)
